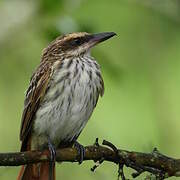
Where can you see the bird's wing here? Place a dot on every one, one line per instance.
(34, 95)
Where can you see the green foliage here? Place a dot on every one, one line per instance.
(50, 6)
(140, 108)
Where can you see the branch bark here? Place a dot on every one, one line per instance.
(156, 163)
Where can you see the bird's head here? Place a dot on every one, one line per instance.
(75, 44)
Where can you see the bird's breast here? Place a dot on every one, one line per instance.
(69, 102)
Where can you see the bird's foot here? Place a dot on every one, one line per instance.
(81, 151)
(52, 151)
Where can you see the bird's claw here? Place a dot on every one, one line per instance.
(52, 151)
(81, 151)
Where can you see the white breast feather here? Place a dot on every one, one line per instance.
(64, 117)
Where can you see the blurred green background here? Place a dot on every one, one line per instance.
(140, 66)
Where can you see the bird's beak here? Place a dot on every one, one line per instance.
(100, 37)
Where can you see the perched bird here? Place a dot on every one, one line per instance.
(61, 97)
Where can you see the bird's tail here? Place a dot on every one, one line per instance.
(39, 171)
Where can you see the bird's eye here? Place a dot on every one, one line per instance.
(77, 41)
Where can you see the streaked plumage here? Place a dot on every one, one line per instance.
(63, 92)
(65, 108)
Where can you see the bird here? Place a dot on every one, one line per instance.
(62, 94)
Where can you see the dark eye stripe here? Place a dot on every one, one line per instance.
(75, 42)
(78, 41)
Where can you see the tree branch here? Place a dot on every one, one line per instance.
(156, 163)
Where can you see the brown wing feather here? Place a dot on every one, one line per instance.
(35, 93)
